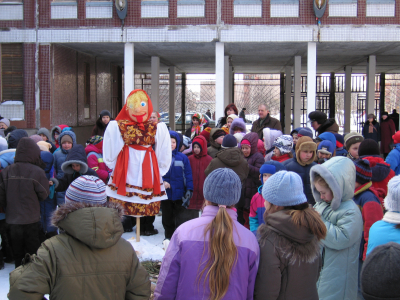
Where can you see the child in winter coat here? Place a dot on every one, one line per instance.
(325, 151)
(283, 148)
(94, 152)
(303, 162)
(199, 161)
(381, 171)
(211, 257)
(229, 121)
(352, 142)
(66, 139)
(257, 207)
(216, 137)
(388, 229)
(178, 184)
(290, 258)
(22, 185)
(55, 133)
(45, 134)
(255, 160)
(333, 184)
(393, 158)
(270, 135)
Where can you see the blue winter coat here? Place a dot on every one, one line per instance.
(343, 221)
(393, 159)
(341, 152)
(59, 158)
(179, 175)
(304, 172)
(7, 158)
(384, 231)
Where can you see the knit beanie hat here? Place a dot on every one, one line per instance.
(284, 143)
(36, 138)
(368, 147)
(305, 132)
(318, 116)
(3, 144)
(222, 186)
(186, 141)
(328, 136)
(380, 273)
(44, 146)
(239, 136)
(66, 138)
(352, 138)
(363, 171)
(326, 147)
(392, 200)
(245, 142)
(94, 140)
(218, 133)
(305, 143)
(396, 137)
(206, 133)
(271, 167)
(87, 189)
(5, 121)
(229, 141)
(284, 189)
(232, 116)
(105, 112)
(339, 140)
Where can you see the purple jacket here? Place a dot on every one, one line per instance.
(178, 277)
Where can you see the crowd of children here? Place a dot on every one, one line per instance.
(317, 206)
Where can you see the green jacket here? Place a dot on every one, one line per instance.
(88, 260)
(342, 218)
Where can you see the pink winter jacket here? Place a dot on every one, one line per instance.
(95, 160)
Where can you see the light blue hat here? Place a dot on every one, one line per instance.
(284, 189)
(222, 186)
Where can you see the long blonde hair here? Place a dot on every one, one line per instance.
(222, 254)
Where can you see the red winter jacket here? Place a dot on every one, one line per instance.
(95, 160)
(199, 163)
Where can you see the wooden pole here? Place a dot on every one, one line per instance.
(138, 229)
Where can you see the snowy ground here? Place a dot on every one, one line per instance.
(149, 247)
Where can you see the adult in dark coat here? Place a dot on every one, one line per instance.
(101, 123)
(250, 187)
(243, 114)
(229, 110)
(371, 129)
(76, 155)
(264, 121)
(387, 130)
(395, 117)
(231, 157)
(321, 123)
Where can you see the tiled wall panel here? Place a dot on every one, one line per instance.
(247, 10)
(342, 10)
(154, 11)
(284, 10)
(11, 12)
(190, 11)
(380, 9)
(99, 12)
(64, 12)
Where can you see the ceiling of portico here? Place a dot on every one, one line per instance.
(250, 57)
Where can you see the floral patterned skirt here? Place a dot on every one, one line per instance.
(136, 209)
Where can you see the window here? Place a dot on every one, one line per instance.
(12, 72)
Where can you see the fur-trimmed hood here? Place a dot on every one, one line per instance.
(238, 122)
(340, 174)
(94, 225)
(297, 244)
(76, 155)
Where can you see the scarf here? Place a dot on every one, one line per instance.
(371, 128)
(199, 128)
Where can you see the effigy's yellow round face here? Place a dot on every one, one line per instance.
(138, 107)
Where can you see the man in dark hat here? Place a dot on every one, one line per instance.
(321, 123)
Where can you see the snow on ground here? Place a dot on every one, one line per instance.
(149, 247)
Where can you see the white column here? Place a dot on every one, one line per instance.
(311, 76)
(219, 80)
(129, 70)
(155, 81)
(172, 87)
(371, 70)
(226, 81)
(297, 93)
(347, 99)
(288, 100)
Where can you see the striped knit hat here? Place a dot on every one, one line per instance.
(87, 189)
(363, 171)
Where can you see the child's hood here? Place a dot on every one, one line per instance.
(380, 169)
(175, 135)
(28, 152)
(45, 132)
(238, 122)
(76, 155)
(48, 159)
(203, 143)
(340, 174)
(252, 137)
(269, 137)
(70, 133)
(58, 128)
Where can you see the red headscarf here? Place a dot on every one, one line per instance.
(124, 115)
